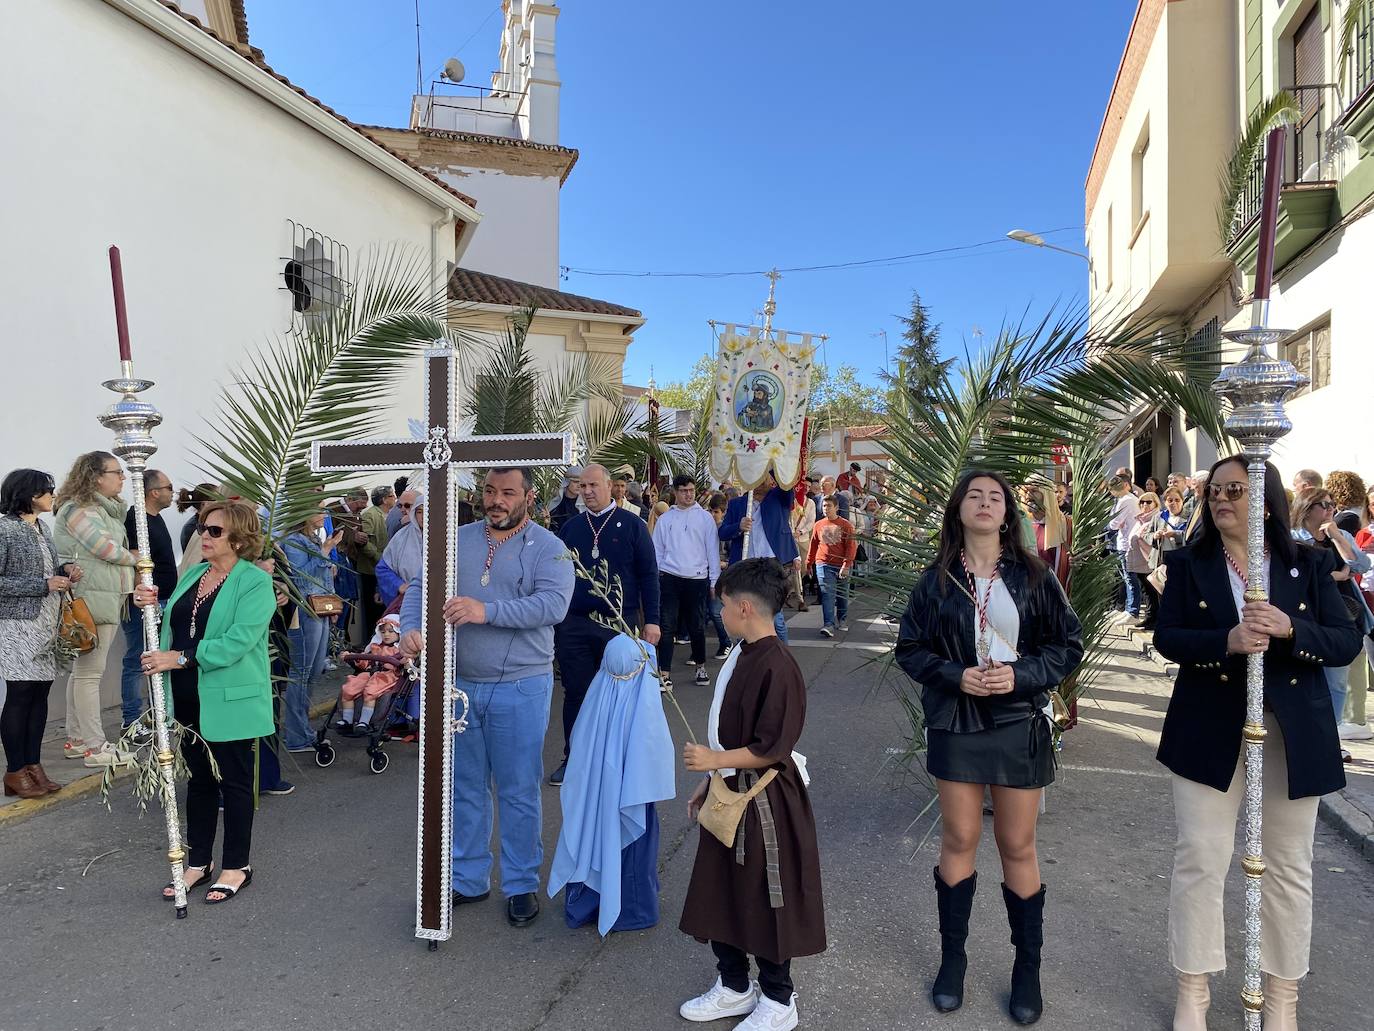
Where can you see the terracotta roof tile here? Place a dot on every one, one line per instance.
(485, 288)
(240, 20)
(256, 57)
(867, 432)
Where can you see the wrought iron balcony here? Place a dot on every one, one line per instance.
(1307, 156)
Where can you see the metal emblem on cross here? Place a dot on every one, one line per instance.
(442, 455)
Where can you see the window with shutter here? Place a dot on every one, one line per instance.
(1310, 352)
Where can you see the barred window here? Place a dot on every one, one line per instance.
(1203, 351)
(316, 274)
(1310, 351)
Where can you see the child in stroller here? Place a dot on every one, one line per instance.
(373, 681)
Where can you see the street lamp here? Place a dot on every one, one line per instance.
(1035, 240)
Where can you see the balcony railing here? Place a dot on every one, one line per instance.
(1360, 69)
(1306, 155)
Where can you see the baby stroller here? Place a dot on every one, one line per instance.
(393, 701)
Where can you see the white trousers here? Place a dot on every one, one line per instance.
(83, 690)
(1206, 840)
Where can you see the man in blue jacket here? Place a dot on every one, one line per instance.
(605, 532)
(771, 527)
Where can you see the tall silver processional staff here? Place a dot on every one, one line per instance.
(759, 400)
(1257, 387)
(132, 421)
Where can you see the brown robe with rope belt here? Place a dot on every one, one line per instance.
(764, 710)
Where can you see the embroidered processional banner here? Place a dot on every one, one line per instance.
(762, 389)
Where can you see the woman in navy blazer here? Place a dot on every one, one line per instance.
(1207, 627)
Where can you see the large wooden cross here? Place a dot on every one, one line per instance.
(441, 454)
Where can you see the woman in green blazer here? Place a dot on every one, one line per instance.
(214, 646)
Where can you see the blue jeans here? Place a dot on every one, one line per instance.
(503, 748)
(131, 678)
(1338, 683)
(1132, 587)
(780, 625)
(309, 645)
(721, 636)
(834, 593)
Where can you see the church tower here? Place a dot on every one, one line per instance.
(522, 102)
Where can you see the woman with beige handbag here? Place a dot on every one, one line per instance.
(312, 573)
(31, 586)
(89, 530)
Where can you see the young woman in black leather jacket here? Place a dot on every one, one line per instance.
(988, 633)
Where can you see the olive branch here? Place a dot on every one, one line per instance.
(147, 772)
(609, 589)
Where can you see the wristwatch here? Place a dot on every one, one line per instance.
(183, 661)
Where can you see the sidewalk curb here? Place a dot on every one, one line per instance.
(1350, 821)
(17, 812)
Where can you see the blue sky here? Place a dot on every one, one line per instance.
(736, 135)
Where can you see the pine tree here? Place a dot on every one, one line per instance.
(918, 359)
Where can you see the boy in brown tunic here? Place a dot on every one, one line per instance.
(769, 905)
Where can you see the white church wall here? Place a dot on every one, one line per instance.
(519, 233)
(195, 179)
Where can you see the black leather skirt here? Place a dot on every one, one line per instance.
(1014, 755)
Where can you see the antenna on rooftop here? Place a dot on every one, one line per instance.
(454, 70)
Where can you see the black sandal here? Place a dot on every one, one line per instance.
(209, 872)
(227, 890)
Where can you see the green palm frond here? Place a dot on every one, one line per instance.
(1056, 381)
(1358, 14)
(1280, 109)
(322, 381)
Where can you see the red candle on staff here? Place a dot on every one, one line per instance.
(121, 315)
(1269, 213)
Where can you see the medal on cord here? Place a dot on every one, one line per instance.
(983, 644)
(493, 545)
(596, 531)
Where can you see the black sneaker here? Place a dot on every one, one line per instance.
(556, 777)
(283, 788)
(722, 652)
(702, 676)
(141, 735)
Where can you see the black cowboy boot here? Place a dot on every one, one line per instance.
(954, 905)
(1027, 920)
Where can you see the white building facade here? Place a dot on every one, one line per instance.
(212, 175)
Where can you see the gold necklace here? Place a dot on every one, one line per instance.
(202, 594)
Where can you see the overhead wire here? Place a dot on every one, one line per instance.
(937, 253)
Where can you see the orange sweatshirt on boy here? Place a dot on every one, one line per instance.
(832, 543)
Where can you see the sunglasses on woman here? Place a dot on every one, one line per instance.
(213, 532)
(1326, 505)
(1234, 491)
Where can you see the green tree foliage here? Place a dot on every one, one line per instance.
(918, 363)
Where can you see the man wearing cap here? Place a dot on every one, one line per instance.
(620, 482)
(567, 504)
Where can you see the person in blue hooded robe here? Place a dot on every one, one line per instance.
(621, 764)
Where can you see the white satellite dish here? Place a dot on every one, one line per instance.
(454, 70)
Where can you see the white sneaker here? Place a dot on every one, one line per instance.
(106, 755)
(1354, 732)
(719, 1001)
(771, 1016)
(828, 630)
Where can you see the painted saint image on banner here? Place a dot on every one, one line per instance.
(758, 402)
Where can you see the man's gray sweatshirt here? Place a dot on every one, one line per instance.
(531, 585)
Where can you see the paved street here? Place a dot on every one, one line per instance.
(323, 937)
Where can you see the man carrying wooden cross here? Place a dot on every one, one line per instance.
(514, 583)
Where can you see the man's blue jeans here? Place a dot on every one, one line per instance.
(714, 610)
(309, 645)
(502, 748)
(1132, 587)
(131, 678)
(1338, 683)
(834, 593)
(780, 625)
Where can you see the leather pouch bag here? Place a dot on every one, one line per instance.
(723, 809)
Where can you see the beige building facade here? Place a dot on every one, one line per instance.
(1191, 74)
